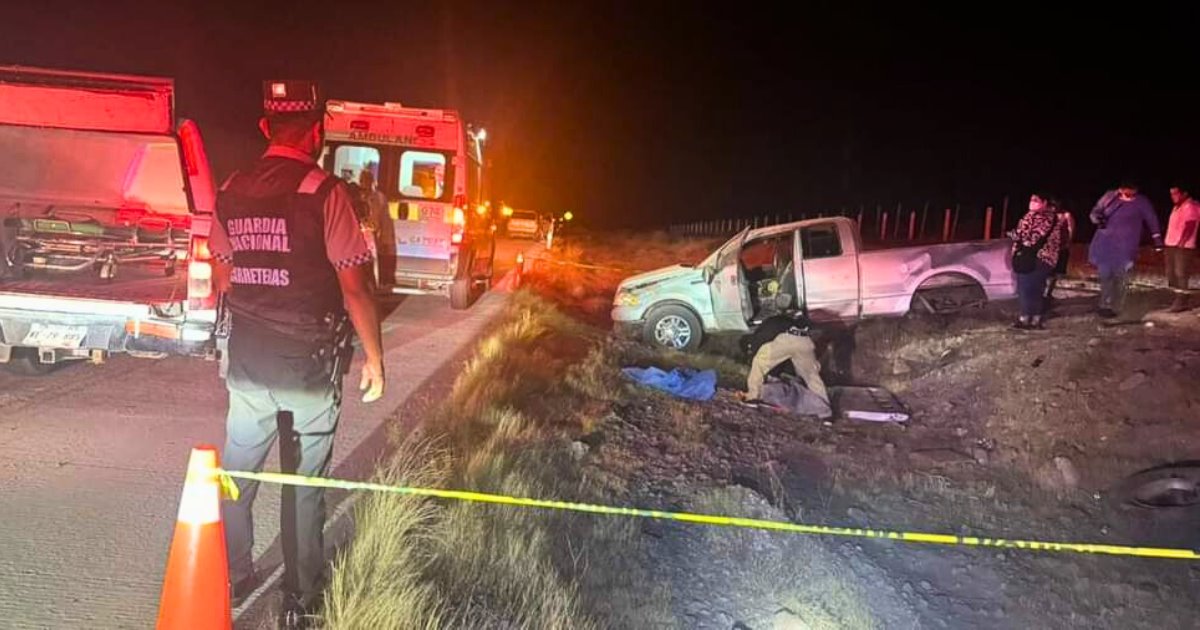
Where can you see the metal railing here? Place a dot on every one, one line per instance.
(882, 224)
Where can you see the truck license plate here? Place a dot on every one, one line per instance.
(55, 336)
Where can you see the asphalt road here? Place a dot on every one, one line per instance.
(92, 458)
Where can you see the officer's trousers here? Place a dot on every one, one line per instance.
(306, 418)
(798, 349)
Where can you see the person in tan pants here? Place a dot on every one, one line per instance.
(791, 345)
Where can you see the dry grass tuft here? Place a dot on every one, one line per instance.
(379, 581)
(417, 564)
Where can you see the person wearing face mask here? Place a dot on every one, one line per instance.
(292, 266)
(1037, 241)
(1119, 217)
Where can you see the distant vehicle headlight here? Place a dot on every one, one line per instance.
(626, 298)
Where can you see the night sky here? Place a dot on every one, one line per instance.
(639, 113)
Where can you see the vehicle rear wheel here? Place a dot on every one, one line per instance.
(460, 294)
(25, 362)
(944, 300)
(675, 328)
(462, 290)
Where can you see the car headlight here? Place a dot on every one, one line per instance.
(626, 298)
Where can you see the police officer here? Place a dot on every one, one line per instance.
(777, 340)
(292, 264)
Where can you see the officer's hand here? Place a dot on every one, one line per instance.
(372, 381)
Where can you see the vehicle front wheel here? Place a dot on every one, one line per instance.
(675, 328)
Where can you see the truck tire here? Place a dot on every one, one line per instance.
(674, 328)
(25, 362)
(947, 294)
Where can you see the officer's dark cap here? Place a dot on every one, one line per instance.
(292, 97)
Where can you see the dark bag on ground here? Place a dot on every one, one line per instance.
(792, 396)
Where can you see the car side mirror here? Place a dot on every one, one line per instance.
(709, 274)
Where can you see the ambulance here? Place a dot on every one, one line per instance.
(432, 230)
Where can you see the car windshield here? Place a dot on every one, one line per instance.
(528, 216)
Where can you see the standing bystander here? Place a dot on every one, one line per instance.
(1119, 217)
(1181, 245)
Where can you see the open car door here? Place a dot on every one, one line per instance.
(728, 287)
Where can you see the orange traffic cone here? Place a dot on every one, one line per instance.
(195, 591)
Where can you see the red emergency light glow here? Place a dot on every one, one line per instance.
(425, 131)
(360, 125)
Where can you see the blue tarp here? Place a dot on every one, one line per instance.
(680, 382)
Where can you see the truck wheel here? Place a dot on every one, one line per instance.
(25, 362)
(675, 328)
(943, 295)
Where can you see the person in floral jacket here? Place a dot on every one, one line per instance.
(1037, 229)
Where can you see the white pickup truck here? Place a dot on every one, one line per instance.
(105, 206)
(754, 275)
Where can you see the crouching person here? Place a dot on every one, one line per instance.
(778, 340)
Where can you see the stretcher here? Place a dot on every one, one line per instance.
(78, 244)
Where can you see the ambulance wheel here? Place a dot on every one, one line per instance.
(461, 294)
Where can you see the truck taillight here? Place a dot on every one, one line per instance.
(200, 276)
(200, 249)
(458, 222)
(199, 281)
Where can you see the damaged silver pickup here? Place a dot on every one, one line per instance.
(755, 275)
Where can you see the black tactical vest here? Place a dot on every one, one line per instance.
(274, 216)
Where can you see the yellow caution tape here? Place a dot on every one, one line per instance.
(568, 263)
(724, 521)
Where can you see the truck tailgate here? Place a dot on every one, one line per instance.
(147, 314)
(147, 289)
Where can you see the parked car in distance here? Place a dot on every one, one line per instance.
(525, 224)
